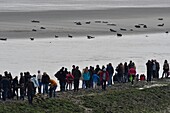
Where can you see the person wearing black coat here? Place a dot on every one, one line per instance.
(91, 71)
(30, 91)
(110, 70)
(45, 82)
(0, 86)
(61, 76)
(97, 69)
(15, 87)
(157, 69)
(126, 77)
(27, 76)
(77, 75)
(73, 69)
(5, 86)
(165, 69)
(22, 86)
(149, 70)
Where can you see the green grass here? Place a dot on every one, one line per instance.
(46, 106)
(153, 100)
(130, 101)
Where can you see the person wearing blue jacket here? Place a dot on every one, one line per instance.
(86, 77)
(95, 79)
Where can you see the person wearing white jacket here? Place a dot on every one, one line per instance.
(39, 78)
(35, 82)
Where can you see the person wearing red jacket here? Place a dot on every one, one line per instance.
(69, 80)
(104, 76)
(132, 73)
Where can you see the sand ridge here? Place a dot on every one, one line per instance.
(62, 23)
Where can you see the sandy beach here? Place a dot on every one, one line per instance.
(47, 53)
(63, 22)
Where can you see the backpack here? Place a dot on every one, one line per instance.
(166, 66)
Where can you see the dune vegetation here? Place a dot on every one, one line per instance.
(120, 98)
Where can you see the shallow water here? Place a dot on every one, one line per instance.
(18, 55)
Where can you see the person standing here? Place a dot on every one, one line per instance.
(110, 70)
(130, 64)
(132, 74)
(0, 87)
(61, 76)
(120, 70)
(165, 69)
(154, 71)
(125, 78)
(157, 69)
(5, 86)
(91, 70)
(22, 86)
(104, 77)
(39, 78)
(73, 69)
(15, 87)
(97, 69)
(86, 77)
(27, 77)
(30, 91)
(95, 79)
(149, 70)
(69, 80)
(35, 82)
(77, 75)
(45, 82)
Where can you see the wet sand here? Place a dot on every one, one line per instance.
(64, 22)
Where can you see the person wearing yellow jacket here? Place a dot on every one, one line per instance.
(53, 87)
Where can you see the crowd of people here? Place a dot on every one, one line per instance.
(27, 85)
(92, 77)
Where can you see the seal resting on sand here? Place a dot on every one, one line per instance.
(34, 30)
(112, 30)
(161, 24)
(70, 36)
(3, 39)
(35, 21)
(119, 34)
(90, 37)
(32, 38)
(56, 36)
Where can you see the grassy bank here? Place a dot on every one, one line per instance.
(131, 100)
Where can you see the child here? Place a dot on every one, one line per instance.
(95, 78)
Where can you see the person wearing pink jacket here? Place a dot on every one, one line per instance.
(69, 80)
(132, 74)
